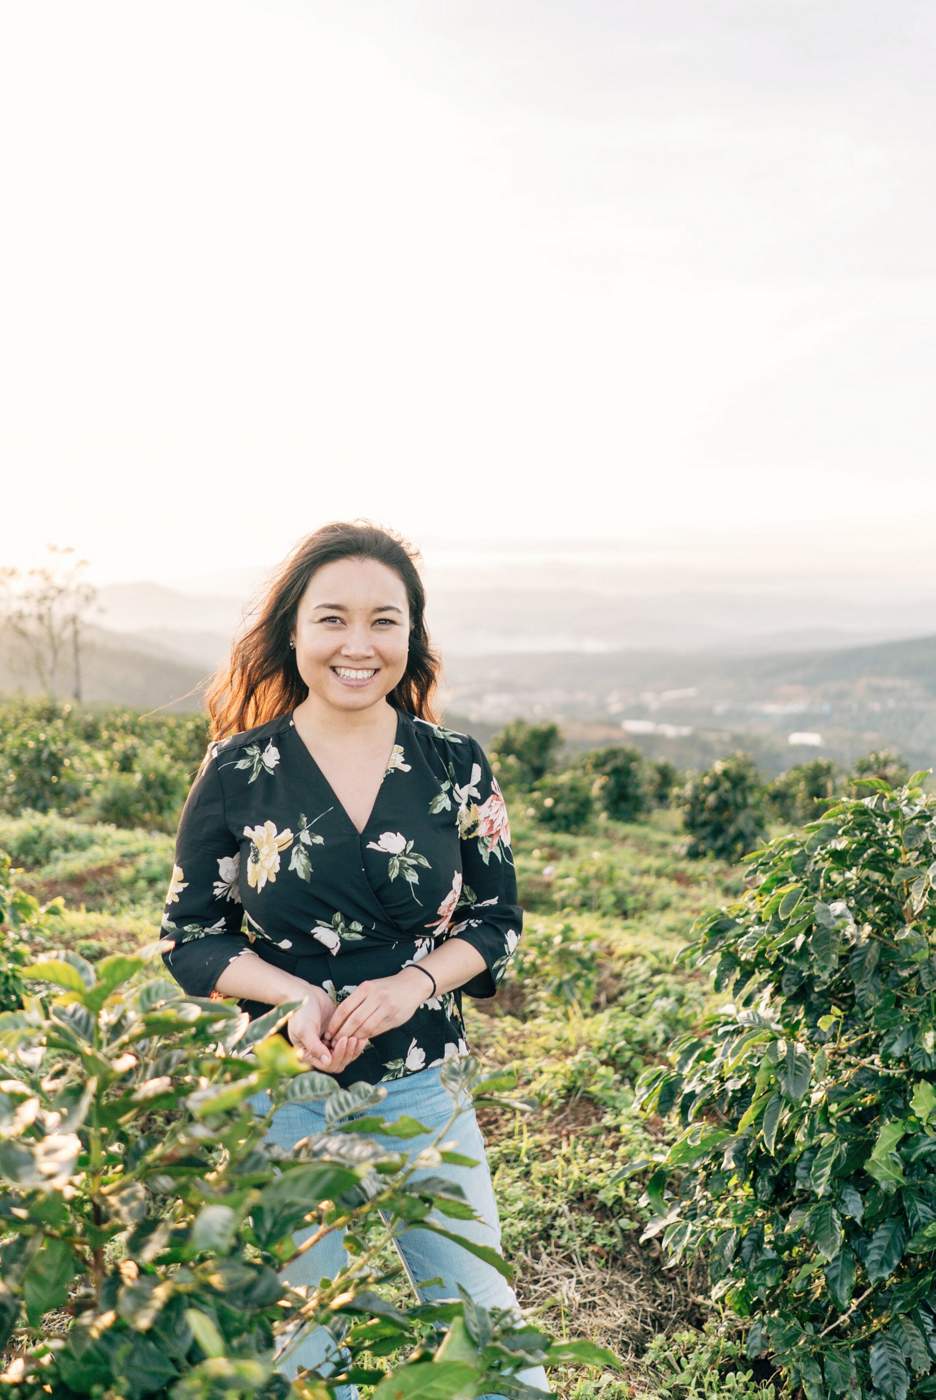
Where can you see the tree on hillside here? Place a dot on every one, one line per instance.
(522, 753)
(624, 790)
(799, 794)
(723, 809)
(43, 611)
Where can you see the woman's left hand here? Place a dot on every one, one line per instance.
(375, 1006)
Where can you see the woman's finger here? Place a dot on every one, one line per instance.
(314, 1051)
(352, 1002)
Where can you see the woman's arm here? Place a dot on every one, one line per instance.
(252, 978)
(452, 965)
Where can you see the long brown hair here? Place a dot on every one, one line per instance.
(261, 681)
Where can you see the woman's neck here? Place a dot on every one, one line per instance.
(330, 723)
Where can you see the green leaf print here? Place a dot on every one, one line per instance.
(299, 857)
(256, 760)
(403, 859)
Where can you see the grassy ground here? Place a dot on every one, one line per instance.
(592, 997)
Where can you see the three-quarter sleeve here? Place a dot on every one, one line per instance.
(488, 915)
(203, 913)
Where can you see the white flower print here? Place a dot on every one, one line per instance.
(328, 936)
(176, 885)
(265, 846)
(226, 886)
(415, 1056)
(447, 908)
(391, 842)
(440, 731)
(257, 760)
(451, 1052)
(470, 789)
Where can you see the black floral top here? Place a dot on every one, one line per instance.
(267, 858)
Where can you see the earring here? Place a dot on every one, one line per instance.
(292, 644)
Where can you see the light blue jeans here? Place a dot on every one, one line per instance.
(424, 1255)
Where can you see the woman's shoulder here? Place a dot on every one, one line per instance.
(455, 743)
(259, 734)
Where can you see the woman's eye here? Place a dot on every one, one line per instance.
(390, 620)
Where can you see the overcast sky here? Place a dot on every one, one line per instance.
(467, 269)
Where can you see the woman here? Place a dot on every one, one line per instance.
(367, 850)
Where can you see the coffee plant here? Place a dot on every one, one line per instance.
(806, 1167)
(522, 752)
(563, 801)
(663, 778)
(723, 809)
(624, 790)
(24, 926)
(144, 1222)
(799, 794)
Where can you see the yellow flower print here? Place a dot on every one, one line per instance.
(264, 859)
(176, 885)
(398, 760)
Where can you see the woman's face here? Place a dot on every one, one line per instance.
(353, 615)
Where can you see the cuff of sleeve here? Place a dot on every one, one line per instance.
(198, 963)
(482, 984)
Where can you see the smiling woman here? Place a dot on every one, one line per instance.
(342, 848)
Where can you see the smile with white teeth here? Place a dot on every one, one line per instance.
(352, 675)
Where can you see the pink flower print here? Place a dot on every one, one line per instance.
(447, 908)
(493, 821)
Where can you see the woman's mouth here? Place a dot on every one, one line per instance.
(355, 677)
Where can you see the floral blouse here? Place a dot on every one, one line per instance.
(268, 859)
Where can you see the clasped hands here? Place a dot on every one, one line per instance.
(329, 1037)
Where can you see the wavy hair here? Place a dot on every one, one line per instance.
(261, 681)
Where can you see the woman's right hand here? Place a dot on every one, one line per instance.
(305, 1028)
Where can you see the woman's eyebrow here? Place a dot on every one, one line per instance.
(340, 607)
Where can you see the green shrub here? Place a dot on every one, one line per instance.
(141, 1201)
(564, 965)
(563, 801)
(723, 809)
(663, 778)
(595, 883)
(24, 926)
(522, 752)
(799, 794)
(35, 839)
(42, 766)
(806, 1171)
(623, 791)
(706, 1365)
(150, 795)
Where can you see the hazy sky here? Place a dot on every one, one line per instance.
(467, 269)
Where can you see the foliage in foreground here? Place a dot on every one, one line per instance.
(806, 1172)
(140, 1200)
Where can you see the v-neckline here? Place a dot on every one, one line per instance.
(322, 778)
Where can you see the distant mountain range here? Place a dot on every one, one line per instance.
(568, 650)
